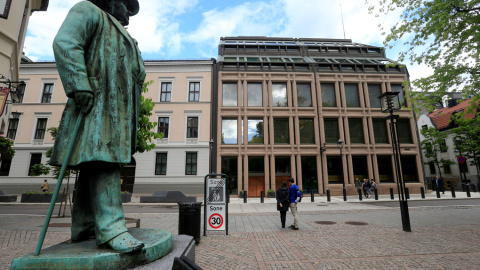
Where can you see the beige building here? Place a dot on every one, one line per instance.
(284, 103)
(14, 17)
(181, 91)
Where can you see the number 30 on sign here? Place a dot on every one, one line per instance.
(216, 218)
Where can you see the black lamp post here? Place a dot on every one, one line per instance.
(17, 91)
(463, 176)
(340, 146)
(212, 144)
(390, 103)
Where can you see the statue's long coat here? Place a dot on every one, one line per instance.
(95, 53)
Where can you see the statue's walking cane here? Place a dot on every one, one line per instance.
(59, 183)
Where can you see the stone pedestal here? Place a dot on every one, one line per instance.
(86, 255)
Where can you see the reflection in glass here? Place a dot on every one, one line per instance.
(328, 95)
(331, 130)
(403, 131)
(254, 95)
(356, 130)
(304, 95)
(374, 91)
(255, 131)
(399, 89)
(281, 131)
(279, 93)
(229, 94)
(351, 95)
(229, 131)
(380, 130)
(307, 135)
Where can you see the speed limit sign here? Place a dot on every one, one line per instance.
(216, 218)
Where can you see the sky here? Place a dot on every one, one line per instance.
(191, 29)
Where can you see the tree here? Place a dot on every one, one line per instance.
(468, 132)
(442, 34)
(433, 144)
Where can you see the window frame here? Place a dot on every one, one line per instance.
(236, 93)
(166, 81)
(11, 130)
(49, 95)
(36, 130)
(334, 93)
(287, 120)
(160, 164)
(195, 93)
(310, 92)
(167, 128)
(190, 129)
(261, 92)
(29, 173)
(286, 95)
(358, 95)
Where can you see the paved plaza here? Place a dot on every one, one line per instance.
(332, 235)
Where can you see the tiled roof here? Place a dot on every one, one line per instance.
(441, 118)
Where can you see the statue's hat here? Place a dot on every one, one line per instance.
(133, 7)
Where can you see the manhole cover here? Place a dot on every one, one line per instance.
(325, 222)
(59, 225)
(357, 223)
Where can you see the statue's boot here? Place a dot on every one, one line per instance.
(125, 243)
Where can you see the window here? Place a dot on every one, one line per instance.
(281, 131)
(161, 164)
(399, 89)
(194, 92)
(356, 130)
(360, 168)
(328, 95)
(254, 95)
(446, 169)
(334, 170)
(5, 8)
(385, 170)
(307, 134)
(229, 95)
(192, 127)
(282, 170)
(432, 168)
(374, 90)
(230, 168)
(255, 131)
(5, 166)
(191, 164)
(351, 95)
(304, 95)
(40, 130)
(279, 93)
(34, 160)
(229, 131)
(403, 131)
(380, 130)
(309, 174)
(409, 168)
(47, 93)
(443, 146)
(331, 130)
(166, 92)
(12, 128)
(163, 124)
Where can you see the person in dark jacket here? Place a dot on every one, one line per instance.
(282, 202)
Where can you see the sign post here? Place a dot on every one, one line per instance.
(216, 203)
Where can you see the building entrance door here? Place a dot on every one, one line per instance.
(128, 177)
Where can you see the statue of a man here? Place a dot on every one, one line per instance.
(102, 73)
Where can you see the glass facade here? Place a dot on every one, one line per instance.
(356, 130)
(230, 168)
(254, 95)
(351, 95)
(374, 90)
(309, 174)
(255, 131)
(328, 95)
(331, 130)
(304, 95)
(281, 131)
(380, 130)
(404, 132)
(279, 94)
(307, 134)
(334, 169)
(385, 169)
(229, 95)
(229, 131)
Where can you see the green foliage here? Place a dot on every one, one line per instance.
(434, 144)
(39, 169)
(145, 135)
(6, 146)
(442, 34)
(468, 134)
(271, 191)
(38, 192)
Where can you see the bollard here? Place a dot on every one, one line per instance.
(189, 219)
(467, 188)
(422, 191)
(245, 195)
(391, 194)
(359, 194)
(311, 194)
(438, 192)
(344, 194)
(375, 191)
(463, 187)
(407, 193)
(453, 191)
(328, 195)
(261, 196)
(474, 188)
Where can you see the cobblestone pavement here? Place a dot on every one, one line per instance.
(333, 235)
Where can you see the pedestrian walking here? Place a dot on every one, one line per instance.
(283, 202)
(293, 195)
(44, 186)
(440, 184)
(358, 184)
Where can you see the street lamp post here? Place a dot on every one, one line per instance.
(390, 103)
(340, 146)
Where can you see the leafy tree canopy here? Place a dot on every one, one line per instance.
(442, 34)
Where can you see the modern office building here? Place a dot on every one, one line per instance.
(181, 91)
(283, 104)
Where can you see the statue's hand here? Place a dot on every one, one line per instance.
(84, 101)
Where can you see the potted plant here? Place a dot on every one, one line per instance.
(271, 193)
(6, 146)
(38, 197)
(126, 197)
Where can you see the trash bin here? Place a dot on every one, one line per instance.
(189, 219)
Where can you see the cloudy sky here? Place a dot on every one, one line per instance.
(191, 29)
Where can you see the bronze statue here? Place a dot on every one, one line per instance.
(102, 73)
